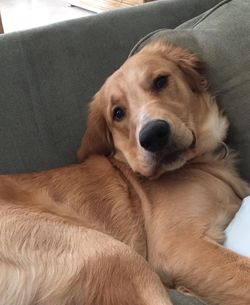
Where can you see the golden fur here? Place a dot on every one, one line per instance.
(98, 233)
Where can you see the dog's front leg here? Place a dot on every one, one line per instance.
(213, 273)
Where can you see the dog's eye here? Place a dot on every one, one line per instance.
(160, 82)
(118, 113)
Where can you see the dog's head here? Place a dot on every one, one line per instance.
(154, 113)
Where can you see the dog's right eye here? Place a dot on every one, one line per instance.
(160, 82)
(118, 113)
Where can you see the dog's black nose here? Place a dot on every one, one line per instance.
(154, 135)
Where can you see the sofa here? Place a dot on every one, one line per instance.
(49, 74)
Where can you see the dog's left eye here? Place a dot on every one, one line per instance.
(118, 113)
(160, 82)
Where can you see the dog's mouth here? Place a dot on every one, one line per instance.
(172, 158)
(172, 153)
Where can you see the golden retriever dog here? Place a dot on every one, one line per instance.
(147, 205)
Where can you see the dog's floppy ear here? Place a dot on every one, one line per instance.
(193, 69)
(190, 64)
(97, 139)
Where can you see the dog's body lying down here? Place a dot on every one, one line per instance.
(98, 233)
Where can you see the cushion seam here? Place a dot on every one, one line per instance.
(206, 15)
(140, 42)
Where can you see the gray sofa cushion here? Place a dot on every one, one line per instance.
(48, 75)
(222, 38)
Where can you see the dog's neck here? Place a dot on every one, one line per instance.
(220, 152)
(211, 128)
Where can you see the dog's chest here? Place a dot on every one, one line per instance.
(192, 201)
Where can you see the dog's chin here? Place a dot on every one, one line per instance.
(154, 169)
(171, 165)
